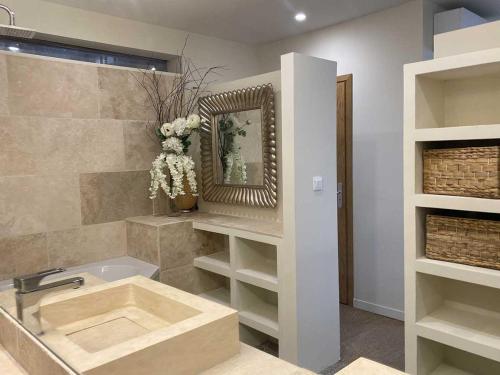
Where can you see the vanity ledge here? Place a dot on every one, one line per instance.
(261, 227)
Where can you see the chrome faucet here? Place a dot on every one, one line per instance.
(28, 284)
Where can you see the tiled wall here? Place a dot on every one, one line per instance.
(74, 161)
(172, 245)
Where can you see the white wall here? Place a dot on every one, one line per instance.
(73, 23)
(374, 49)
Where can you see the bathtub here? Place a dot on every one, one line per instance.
(109, 270)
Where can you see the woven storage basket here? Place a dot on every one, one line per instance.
(467, 171)
(467, 241)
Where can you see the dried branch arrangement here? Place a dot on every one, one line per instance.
(175, 96)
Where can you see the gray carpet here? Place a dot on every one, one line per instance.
(363, 334)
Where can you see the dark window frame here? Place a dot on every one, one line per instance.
(77, 53)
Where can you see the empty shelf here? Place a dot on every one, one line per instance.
(262, 317)
(263, 275)
(464, 327)
(221, 295)
(216, 263)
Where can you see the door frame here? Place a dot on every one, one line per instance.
(348, 263)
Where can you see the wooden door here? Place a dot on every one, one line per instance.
(344, 180)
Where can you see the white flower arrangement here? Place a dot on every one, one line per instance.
(174, 159)
(172, 144)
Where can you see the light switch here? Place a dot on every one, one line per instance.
(318, 183)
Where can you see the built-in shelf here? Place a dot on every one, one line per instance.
(221, 295)
(465, 327)
(262, 317)
(448, 202)
(263, 275)
(445, 369)
(456, 271)
(441, 359)
(250, 265)
(258, 308)
(216, 263)
(457, 133)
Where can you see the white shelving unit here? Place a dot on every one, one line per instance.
(452, 311)
(251, 265)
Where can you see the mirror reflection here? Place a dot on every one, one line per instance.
(239, 148)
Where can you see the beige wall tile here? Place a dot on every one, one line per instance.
(63, 201)
(64, 248)
(22, 206)
(191, 279)
(120, 96)
(40, 87)
(19, 145)
(141, 145)
(179, 244)
(4, 108)
(143, 243)
(87, 244)
(35, 204)
(109, 240)
(80, 145)
(22, 255)
(114, 196)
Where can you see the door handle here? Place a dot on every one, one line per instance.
(340, 195)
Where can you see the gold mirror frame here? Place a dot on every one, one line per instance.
(259, 97)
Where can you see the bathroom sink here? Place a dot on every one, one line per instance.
(138, 326)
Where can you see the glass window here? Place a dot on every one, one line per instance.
(64, 51)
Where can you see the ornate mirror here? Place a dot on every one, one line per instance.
(238, 147)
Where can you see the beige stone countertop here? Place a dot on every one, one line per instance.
(363, 366)
(253, 361)
(250, 361)
(8, 365)
(268, 228)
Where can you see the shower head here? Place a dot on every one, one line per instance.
(12, 30)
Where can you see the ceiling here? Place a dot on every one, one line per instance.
(256, 21)
(246, 21)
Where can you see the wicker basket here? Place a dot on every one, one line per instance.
(467, 171)
(467, 241)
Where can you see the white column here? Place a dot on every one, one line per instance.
(308, 259)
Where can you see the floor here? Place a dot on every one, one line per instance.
(363, 334)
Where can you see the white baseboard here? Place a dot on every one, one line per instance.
(379, 309)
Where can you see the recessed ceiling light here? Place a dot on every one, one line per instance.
(300, 17)
(153, 68)
(13, 48)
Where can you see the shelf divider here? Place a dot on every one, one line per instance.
(457, 133)
(461, 272)
(448, 202)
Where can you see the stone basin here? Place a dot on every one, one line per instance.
(138, 326)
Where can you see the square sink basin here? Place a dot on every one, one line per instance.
(138, 326)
